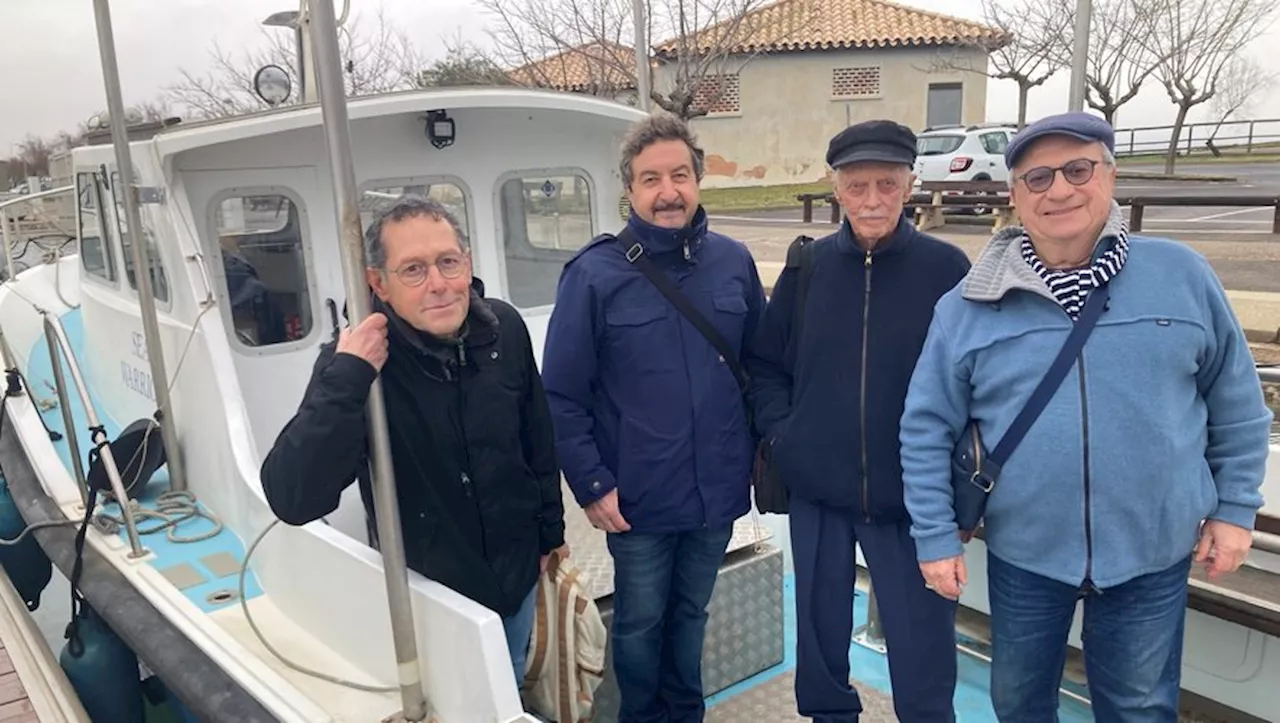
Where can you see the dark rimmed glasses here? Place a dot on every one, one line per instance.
(1077, 173)
(414, 273)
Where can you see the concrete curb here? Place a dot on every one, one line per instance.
(1158, 176)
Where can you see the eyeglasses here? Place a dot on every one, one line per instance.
(1077, 173)
(414, 273)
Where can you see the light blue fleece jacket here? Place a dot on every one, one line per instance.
(1160, 425)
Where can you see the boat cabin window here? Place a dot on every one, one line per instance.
(95, 255)
(381, 194)
(159, 282)
(264, 268)
(546, 218)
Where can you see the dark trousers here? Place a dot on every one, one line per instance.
(662, 585)
(918, 624)
(1132, 644)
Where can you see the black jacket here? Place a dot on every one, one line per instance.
(831, 407)
(471, 442)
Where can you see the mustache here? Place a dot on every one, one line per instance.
(669, 206)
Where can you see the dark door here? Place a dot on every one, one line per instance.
(945, 101)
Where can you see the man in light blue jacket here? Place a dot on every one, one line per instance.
(1151, 452)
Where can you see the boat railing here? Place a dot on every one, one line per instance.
(56, 337)
(4, 220)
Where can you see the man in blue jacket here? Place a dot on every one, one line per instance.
(1153, 446)
(827, 398)
(651, 427)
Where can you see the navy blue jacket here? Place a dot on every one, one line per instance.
(831, 408)
(640, 400)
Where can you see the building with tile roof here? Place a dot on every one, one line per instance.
(796, 72)
(788, 75)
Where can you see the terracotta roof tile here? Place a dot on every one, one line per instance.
(789, 25)
(583, 68)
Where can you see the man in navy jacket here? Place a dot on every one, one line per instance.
(651, 426)
(828, 401)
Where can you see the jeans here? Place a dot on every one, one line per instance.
(919, 625)
(662, 585)
(1132, 644)
(519, 628)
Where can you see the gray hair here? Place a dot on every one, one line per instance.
(406, 207)
(656, 128)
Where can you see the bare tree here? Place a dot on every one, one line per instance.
(1122, 50)
(550, 41)
(463, 64)
(1025, 49)
(377, 61)
(1241, 84)
(1197, 41)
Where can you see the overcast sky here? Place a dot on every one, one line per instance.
(49, 54)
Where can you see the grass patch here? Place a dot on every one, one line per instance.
(1201, 160)
(755, 198)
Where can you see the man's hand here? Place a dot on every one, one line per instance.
(368, 340)
(946, 577)
(562, 551)
(1223, 547)
(604, 514)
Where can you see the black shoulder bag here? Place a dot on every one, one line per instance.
(770, 494)
(974, 471)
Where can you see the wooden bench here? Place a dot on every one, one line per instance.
(936, 196)
(808, 198)
(1138, 203)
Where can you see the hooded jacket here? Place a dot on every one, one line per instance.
(1160, 424)
(471, 443)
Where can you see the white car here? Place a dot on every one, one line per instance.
(960, 153)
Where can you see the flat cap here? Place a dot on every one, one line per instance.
(873, 140)
(1075, 124)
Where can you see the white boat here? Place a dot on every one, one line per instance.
(248, 280)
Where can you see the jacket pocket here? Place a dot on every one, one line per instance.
(731, 314)
(640, 339)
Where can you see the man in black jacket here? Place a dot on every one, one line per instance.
(471, 436)
(828, 398)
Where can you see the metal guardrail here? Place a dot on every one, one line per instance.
(1137, 204)
(56, 337)
(1240, 136)
(4, 219)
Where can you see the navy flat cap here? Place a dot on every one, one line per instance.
(873, 140)
(1076, 124)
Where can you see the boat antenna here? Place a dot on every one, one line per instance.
(333, 108)
(136, 239)
(641, 27)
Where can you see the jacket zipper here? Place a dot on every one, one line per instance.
(468, 488)
(862, 398)
(1088, 527)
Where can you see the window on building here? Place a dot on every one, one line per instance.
(159, 282)
(264, 268)
(863, 82)
(994, 143)
(945, 104)
(718, 94)
(95, 253)
(381, 195)
(545, 220)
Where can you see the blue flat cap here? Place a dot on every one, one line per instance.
(1076, 124)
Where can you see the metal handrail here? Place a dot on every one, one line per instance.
(56, 336)
(4, 219)
(1269, 374)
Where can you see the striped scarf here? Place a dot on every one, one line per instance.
(1072, 286)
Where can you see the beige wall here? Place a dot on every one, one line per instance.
(788, 113)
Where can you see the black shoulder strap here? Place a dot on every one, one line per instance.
(635, 254)
(799, 256)
(1053, 378)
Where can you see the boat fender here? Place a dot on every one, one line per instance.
(28, 568)
(103, 670)
(138, 453)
